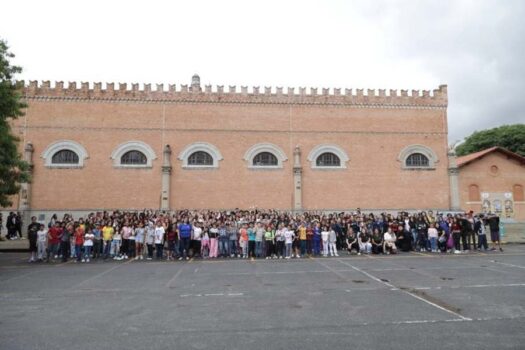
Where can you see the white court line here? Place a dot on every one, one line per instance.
(507, 264)
(392, 287)
(168, 285)
(99, 274)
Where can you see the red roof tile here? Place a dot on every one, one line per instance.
(461, 161)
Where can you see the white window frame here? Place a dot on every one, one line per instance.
(125, 147)
(264, 147)
(61, 145)
(424, 150)
(203, 147)
(331, 148)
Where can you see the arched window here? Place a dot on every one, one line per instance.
(133, 158)
(265, 156)
(517, 193)
(414, 157)
(65, 156)
(328, 159)
(200, 158)
(265, 159)
(133, 154)
(473, 193)
(417, 160)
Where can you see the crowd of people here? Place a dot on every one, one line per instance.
(251, 234)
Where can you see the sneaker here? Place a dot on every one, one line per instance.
(83, 260)
(56, 256)
(148, 258)
(338, 254)
(457, 252)
(87, 260)
(187, 258)
(180, 258)
(357, 254)
(297, 256)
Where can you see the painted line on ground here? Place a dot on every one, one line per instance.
(507, 264)
(168, 285)
(392, 287)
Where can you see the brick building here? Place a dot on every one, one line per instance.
(95, 148)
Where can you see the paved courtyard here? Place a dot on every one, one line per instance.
(408, 301)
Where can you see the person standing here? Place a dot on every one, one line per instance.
(107, 237)
(41, 241)
(213, 234)
(139, 241)
(288, 241)
(494, 231)
(32, 230)
(184, 237)
(231, 231)
(159, 240)
(317, 239)
(325, 235)
(269, 236)
(79, 243)
(65, 242)
(251, 241)
(479, 227)
(54, 238)
(88, 245)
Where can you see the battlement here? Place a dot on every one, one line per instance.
(268, 95)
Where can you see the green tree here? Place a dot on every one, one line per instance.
(511, 137)
(13, 170)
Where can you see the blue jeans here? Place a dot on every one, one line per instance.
(107, 249)
(288, 250)
(433, 243)
(317, 246)
(303, 247)
(223, 246)
(184, 246)
(78, 251)
(258, 249)
(87, 251)
(233, 247)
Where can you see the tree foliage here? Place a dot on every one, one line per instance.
(13, 170)
(511, 137)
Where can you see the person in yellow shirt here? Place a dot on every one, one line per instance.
(302, 238)
(107, 237)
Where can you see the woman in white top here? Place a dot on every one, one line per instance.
(139, 241)
(41, 241)
(288, 240)
(325, 234)
(88, 245)
(150, 239)
(279, 240)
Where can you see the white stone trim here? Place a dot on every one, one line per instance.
(140, 146)
(204, 147)
(64, 145)
(426, 151)
(265, 147)
(323, 148)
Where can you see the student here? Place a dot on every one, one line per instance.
(352, 242)
(279, 241)
(302, 238)
(159, 240)
(389, 242)
(150, 239)
(139, 241)
(364, 241)
(32, 230)
(243, 241)
(433, 237)
(131, 243)
(213, 233)
(479, 227)
(172, 236)
(288, 240)
(493, 221)
(332, 243)
(251, 241)
(269, 236)
(317, 239)
(325, 234)
(41, 241)
(196, 238)
(184, 239)
(88, 245)
(65, 242)
(107, 237)
(233, 238)
(456, 235)
(259, 234)
(125, 233)
(309, 239)
(116, 245)
(377, 242)
(223, 240)
(79, 242)
(205, 243)
(97, 241)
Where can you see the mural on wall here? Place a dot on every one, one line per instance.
(501, 203)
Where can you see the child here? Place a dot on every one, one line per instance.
(107, 237)
(243, 241)
(325, 234)
(288, 240)
(88, 245)
(116, 244)
(139, 241)
(150, 238)
(332, 243)
(481, 230)
(205, 244)
(79, 243)
(41, 241)
(433, 236)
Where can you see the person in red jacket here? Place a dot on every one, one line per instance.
(54, 235)
(79, 241)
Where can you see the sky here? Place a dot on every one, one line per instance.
(476, 47)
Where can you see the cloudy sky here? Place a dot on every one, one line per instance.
(477, 47)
